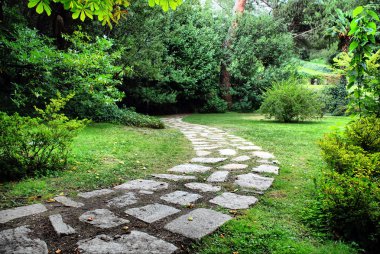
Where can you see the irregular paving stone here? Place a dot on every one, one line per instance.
(254, 181)
(17, 241)
(204, 187)
(207, 160)
(197, 223)
(218, 176)
(202, 153)
(124, 200)
(95, 193)
(135, 242)
(174, 177)
(68, 202)
(233, 201)
(197, 148)
(249, 147)
(266, 169)
(234, 166)
(181, 197)
(227, 152)
(189, 168)
(146, 192)
(102, 218)
(263, 155)
(22, 211)
(241, 158)
(200, 143)
(59, 226)
(140, 184)
(152, 213)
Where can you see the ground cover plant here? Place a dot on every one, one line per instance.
(274, 225)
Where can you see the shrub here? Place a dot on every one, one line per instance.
(31, 146)
(348, 202)
(289, 101)
(113, 114)
(214, 105)
(335, 99)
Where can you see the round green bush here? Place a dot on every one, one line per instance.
(291, 101)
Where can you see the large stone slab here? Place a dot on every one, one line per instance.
(266, 169)
(22, 211)
(135, 242)
(207, 160)
(102, 218)
(174, 177)
(227, 152)
(141, 184)
(218, 176)
(233, 166)
(68, 202)
(152, 213)
(263, 155)
(233, 201)
(95, 193)
(60, 227)
(17, 241)
(246, 148)
(124, 200)
(200, 147)
(241, 158)
(201, 153)
(197, 223)
(204, 187)
(189, 168)
(181, 197)
(254, 181)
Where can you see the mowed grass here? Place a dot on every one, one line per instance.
(274, 224)
(103, 155)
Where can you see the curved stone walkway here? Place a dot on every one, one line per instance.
(162, 214)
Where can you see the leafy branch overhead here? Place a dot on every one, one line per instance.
(107, 11)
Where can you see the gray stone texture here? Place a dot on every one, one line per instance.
(60, 227)
(95, 193)
(227, 152)
(249, 147)
(140, 184)
(241, 158)
(207, 160)
(174, 177)
(266, 169)
(189, 168)
(124, 200)
(233, 201)
(22, 211)
(68, 202)
(218, 176)
(17, 241)
(204, 187)
(263, 155)
(254, 181)
(181, 197)
(102, 218)
(202, 153)
(135, 242)
(233, 166)
(152, 213)
(197, 223)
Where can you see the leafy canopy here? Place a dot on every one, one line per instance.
(107, 11)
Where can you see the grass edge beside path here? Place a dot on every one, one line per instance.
(103, 155)
(274, 224)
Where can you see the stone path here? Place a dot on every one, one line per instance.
(161, 214)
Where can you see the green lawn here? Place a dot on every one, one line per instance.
(274, 225)
(103, 155)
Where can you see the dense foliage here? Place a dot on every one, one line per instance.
(38, 145)
(348, 202)
(290, 100)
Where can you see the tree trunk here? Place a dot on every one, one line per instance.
(225, 77)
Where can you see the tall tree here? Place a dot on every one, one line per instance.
(225, 76)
